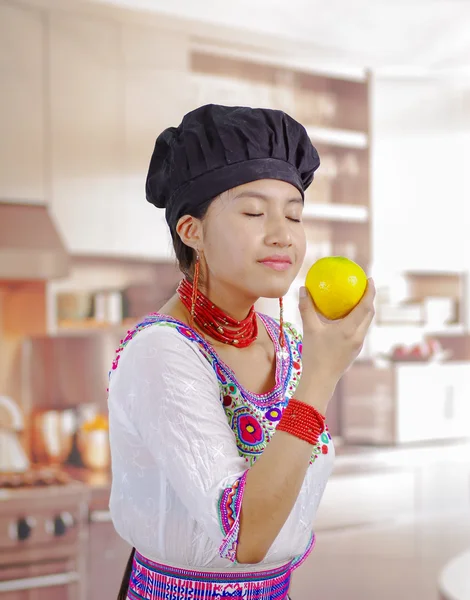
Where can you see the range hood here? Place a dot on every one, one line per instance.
(30, 245)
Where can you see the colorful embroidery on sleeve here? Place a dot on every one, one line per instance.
(300, 559)
(229, 516)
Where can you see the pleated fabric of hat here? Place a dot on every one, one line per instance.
(216, 148)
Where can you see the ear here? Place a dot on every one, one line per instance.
(190, 231)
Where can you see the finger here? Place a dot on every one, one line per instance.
(364, 309)
(310, 318)
(363, 328)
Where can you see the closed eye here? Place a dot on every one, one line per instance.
(261, 214)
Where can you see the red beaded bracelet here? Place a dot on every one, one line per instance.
(303, 421)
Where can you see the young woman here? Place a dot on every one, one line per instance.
(220, 451)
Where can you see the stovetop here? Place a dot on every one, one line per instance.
(43, 514)
(39, 477)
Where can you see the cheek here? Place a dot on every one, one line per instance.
(237, 251)
(225, 252)
(233, 256)
(300, 245)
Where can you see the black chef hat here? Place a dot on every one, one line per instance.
(216, 148)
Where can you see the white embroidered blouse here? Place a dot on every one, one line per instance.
(183, 433)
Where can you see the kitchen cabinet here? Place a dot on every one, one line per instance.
(107, 553)
(156, 95)
(108, 556)
(405, 402)
(459, 381)
(432, 402)
(45, 593)
(86, 134)
(23, 159)
(114, 88)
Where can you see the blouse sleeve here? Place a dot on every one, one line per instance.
(173, 401)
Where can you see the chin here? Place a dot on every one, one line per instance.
(272, 284)
(274, 289)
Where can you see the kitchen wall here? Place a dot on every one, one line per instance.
(420, 179)
(103, 90)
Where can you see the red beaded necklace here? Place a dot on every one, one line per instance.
(214, 322)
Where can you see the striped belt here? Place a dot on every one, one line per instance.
(154, 581)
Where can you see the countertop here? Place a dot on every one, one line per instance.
(96, 480)
(99, 485)
(349, 460)
(352, 460)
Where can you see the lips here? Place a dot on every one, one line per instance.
(277, 262)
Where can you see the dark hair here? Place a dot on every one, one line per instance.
(123, 590)
(184, 254)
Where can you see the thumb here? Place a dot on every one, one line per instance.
(307, 309)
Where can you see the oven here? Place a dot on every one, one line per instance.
(43, 537)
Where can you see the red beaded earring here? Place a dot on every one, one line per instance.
(282, 339)
(194, 293)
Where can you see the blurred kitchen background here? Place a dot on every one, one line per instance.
(384, 91)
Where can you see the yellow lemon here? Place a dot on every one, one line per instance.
(336, 285)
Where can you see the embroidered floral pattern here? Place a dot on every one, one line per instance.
(274, 414)
(252, 417)
(188, 333)
(249, 431)
(229, 515)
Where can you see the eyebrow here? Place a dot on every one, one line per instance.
(253, 194)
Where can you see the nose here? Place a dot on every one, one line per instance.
(278, 232)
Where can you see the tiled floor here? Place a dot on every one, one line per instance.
(393, 561)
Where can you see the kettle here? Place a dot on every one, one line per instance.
(53, 433)
(13, 458)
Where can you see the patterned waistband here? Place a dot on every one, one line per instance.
(155, 581)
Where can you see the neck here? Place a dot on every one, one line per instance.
(230, 300)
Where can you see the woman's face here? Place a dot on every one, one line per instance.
(253, 239)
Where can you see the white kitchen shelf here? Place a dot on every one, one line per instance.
(453, 329)
(338, 137)
(336, 212)
(356, 74)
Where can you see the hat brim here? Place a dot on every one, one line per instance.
(209, 185)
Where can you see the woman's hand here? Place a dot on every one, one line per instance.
(329, 347)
